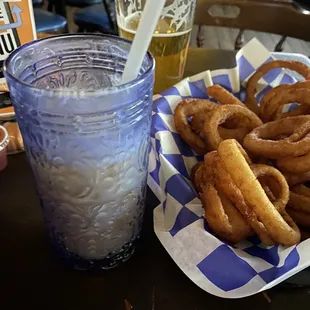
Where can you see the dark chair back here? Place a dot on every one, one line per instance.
(37, 3)
(272, 16)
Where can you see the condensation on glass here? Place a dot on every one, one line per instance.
(87, 140)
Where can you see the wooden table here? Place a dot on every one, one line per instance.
(32, 277)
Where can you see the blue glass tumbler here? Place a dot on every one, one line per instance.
(87, 140)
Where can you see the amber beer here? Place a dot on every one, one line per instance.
(168, 46)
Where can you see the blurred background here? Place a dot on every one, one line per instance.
(281, 25)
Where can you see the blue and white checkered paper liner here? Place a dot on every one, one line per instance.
(220, 269)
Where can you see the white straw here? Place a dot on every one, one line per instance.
(142, 40)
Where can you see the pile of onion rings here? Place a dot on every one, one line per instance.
(256, 171)
(241, 198)
(203, 124)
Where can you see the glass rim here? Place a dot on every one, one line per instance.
(104, 91)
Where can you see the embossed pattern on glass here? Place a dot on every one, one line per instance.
(87, 141)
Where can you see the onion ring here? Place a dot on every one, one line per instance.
(220, 115)
(299, 205)
(220, 213)
(276, 183)
(197, 176)
(185, 109)
(279, 225)
(250, 100)
(301, 190)
(199, 119)
(278, 91)
(221, 95)
(300, 199)
(265, 183)
(238, 133)
(282, 193)
(209, 160)
(295, 165)
(222, 217)
(260, 140)
(301, 219)
(295, 179)
(224, 182)
(273, 191)
(268, 96)
(286, 96)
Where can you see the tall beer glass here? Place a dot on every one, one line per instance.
(170, 42)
